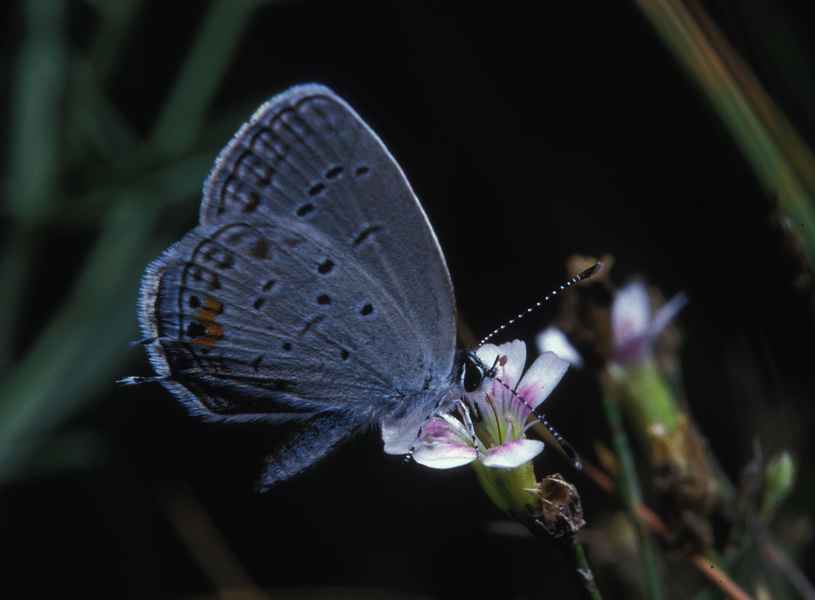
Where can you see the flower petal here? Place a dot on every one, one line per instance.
(441, 455)
(630, 313)
(633, 325)
(446, 428)
(510, 373)
(554, 340)
(667, 312)
(541, 378)
(400, 434)
(512, 454)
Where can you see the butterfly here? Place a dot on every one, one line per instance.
(313, 289)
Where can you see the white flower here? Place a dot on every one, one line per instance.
(492, 429)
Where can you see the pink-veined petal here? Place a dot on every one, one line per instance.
(400, 435)
(541, 378)
(513, 453)
(448, 429)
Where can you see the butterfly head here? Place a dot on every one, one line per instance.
(472, 371)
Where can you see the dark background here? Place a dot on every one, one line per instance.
(530, 132)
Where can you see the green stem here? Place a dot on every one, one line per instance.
(631, 495)
(573, 551)
(645, 397)
(509, 489)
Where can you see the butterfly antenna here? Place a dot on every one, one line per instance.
(593, 270)
(136, 380)
(571, 453)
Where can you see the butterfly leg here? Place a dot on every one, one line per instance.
(427, 420)
(465, 411)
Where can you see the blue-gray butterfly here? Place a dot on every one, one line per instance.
(312, 290)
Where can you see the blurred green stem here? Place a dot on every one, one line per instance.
(628, 488)
(643, 393)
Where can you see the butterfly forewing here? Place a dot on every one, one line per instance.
(307, 155)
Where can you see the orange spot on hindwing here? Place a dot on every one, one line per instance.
(205, 330)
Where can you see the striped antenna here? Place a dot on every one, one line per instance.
(591, 271)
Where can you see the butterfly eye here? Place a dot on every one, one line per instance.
(472, 373)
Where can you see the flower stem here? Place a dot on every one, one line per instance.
(511, 490)
(573, 551)
(629, 491)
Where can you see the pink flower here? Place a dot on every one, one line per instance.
(634, 327)
(491, 426)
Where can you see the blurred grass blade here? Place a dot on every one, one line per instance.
(78, 351)
(202, 74)
(777, 154)
(33, 161)
(35, 126)
(116, 28)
